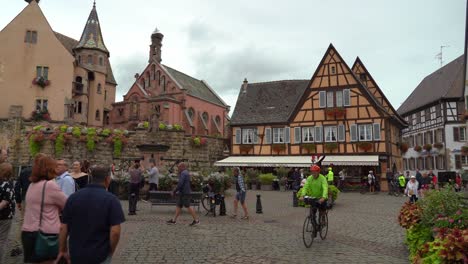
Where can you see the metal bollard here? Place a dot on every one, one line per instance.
(259, 205)
(295, 200)
(222, 206)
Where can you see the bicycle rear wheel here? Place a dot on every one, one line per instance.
(324, 225)
(308, 232)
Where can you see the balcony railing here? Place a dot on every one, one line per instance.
(78, 88)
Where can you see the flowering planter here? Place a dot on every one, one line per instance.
(331, 146)
(417, 148)
(366, 146)
(404, 147)
(245, 149)
(41, 81)
(278, 148)
(309, 147)
(438, 145)
(428, 147)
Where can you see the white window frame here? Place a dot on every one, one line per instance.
(330, 99)
(308, 134)
(322, 99)
(377, 133)
(267, 138)
(339, 98)
(297, 135)
(462, 133)
(238, 135)
(464, 160)
(346, 97)
(366, 129)
(248, 136)
(342, 129)
(330, 132)
(278, 135)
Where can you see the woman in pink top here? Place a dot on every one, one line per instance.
(54, 201)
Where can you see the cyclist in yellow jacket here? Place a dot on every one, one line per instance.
(402, 182)
(330, 176)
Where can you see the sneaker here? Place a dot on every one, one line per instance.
(195, 222)
(171, 222)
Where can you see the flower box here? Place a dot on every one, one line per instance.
(335, 112)
(428, 147)
(417, 148)
(40, 115)
(366, 146)
(438, 145)
(309, 147)
(41, 81)
(245, 148)
(331, 146)
(199, 141)
(278, 147)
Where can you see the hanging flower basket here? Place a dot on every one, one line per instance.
(309, 147)
(279, 147)
(428, 147)
(199, 141)
(404, 147)
(330, 112)
(417, 148)
(366, 146)
(41, 81)
(331, 146)
(438, 145)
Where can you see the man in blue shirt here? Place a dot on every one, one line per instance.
(64, 180)
(183, 190)
(91, 218)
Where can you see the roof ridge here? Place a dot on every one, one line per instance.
(277, 81)
(65, 36)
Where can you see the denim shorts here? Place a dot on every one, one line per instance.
(240, 196)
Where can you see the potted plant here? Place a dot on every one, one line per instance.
(428, 147)
(366, 146)
(438, 145)
(245, 148)
(330, 112)
(41, 81)
(310, 147)
(252, 177)
(330, 146)
(279, 147)
(404, 147)
(417, 148)
(266, 181)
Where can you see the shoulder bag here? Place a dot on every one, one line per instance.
(47, 245)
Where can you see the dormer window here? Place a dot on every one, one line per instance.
(31, 37)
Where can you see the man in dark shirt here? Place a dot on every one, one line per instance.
(419, 179)
(91, 219)
(183, 190)
(136, 174)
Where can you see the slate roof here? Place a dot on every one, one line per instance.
(268, 102)
(195, 87)
(445, 83)
(92, 35)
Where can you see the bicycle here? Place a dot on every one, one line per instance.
(394, 189)
(210, 200)
(311, 227)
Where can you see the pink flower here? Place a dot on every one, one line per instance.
(459, 212)
(459, 221)
(451, 221)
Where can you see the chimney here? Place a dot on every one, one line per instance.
(155, 47)
(244, 86)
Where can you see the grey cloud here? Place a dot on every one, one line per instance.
(124, 71)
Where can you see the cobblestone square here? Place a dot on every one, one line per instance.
(362, 229)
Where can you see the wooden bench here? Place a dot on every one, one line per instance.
(166, 198)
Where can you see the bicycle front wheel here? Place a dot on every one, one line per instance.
(206, 203)
(308, 232)
(323, 225)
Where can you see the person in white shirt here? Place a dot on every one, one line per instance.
(371, 181)
(63, 178)
(412, 189)
(341, 179)
(153, 178)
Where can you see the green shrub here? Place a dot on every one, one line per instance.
(333, 191)
(146, 124)
(444, 202)
(106, 132)
(177, 127)
(267, 178)
(252, 175)
(196, 181)
(166, 183)
(162, 126)
(59, 144)
(90, 139)
(76, 132)
(416, 237)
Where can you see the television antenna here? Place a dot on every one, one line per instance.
(439, 55)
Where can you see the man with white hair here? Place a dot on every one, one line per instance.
(412, 189)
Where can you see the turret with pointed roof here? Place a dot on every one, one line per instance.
(92, 35)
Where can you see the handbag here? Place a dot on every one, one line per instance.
(46, 245)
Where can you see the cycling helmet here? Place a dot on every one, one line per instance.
(315, 168)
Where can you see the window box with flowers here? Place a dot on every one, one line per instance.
(336, 112)
(41, 81)
(417, 148)
(309, 147)
(428, 147)
(245, 148)
(438, 145)
(278, 147)
(36, 139)
(330, 146)
(366, 146)
(40, 115)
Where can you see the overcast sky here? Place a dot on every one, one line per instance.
(224, 42)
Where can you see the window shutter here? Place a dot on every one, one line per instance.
(287, 136)
(267, 135)
(238, 136)
(376, 131)
(297, 135)
(341, 133)
(339, 98)
(255, 136)
(322, 99)
(318, 134)
(330, 96)
(354, 132)
(458, 162)
(346, 97)
(456, 134)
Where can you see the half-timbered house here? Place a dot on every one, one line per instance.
(340, 113)
(436, 133)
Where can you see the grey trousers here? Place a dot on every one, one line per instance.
(5, 226)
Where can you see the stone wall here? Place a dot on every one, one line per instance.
(180, 147)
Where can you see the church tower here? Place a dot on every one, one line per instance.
(94, 87)
(155, 47)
